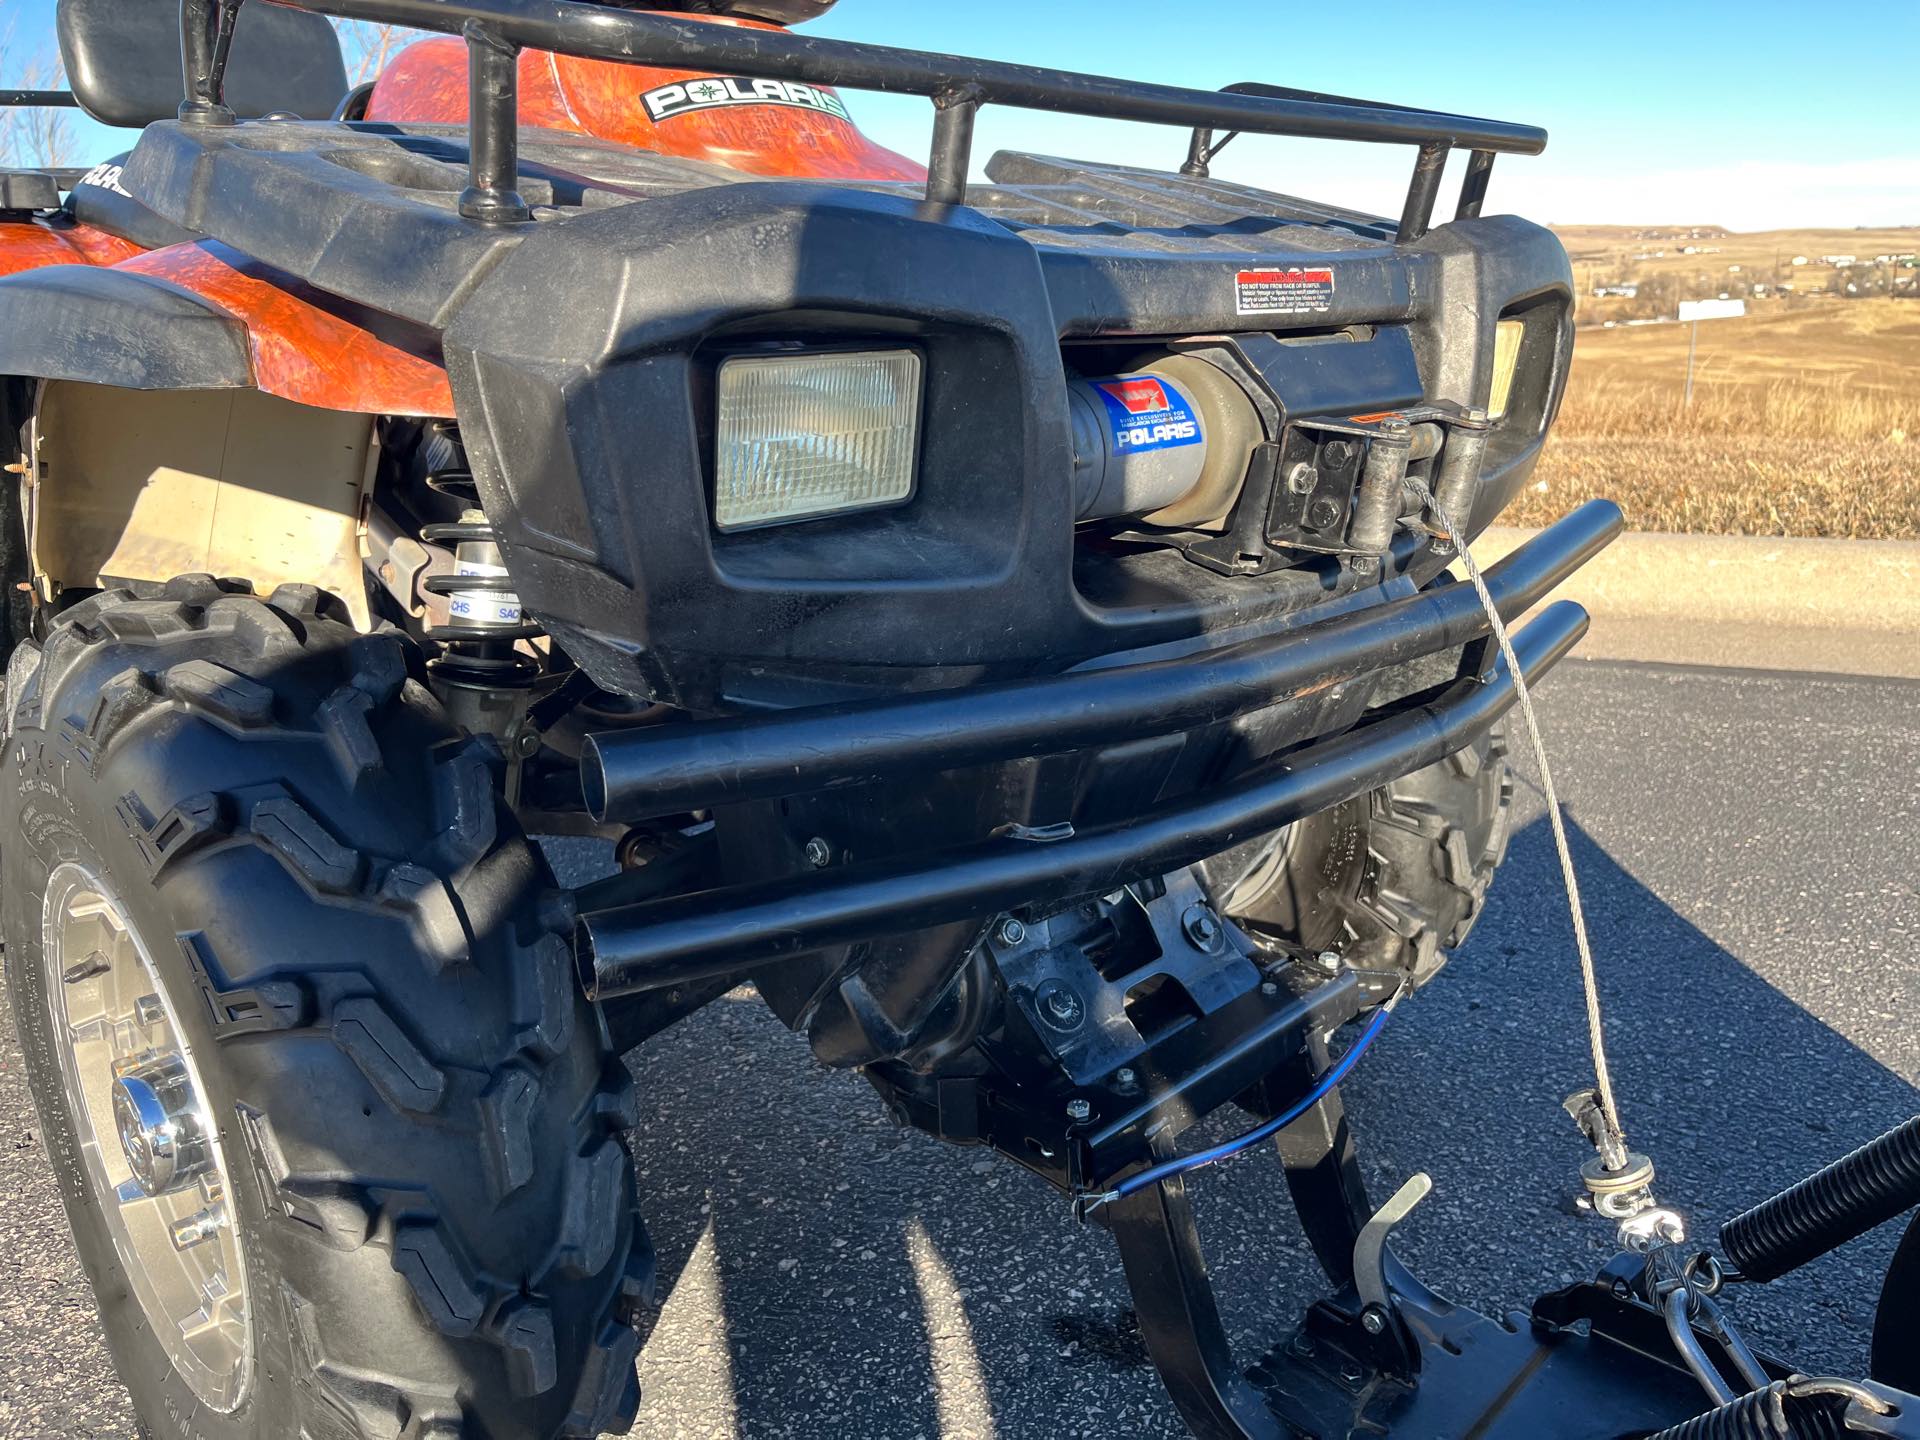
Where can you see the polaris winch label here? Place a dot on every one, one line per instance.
(721, 91)
(1148, 414)
(1284, 292)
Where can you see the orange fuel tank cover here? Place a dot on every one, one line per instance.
(761, 127)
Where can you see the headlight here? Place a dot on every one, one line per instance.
(801, 436)
(1506, 358)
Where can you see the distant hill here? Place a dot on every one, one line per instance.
(1642, 272)
(1629, 234)
(1667, 246)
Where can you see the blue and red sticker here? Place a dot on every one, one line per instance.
(1146, 413)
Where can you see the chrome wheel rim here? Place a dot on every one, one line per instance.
(1260, 874)
(151, 1149)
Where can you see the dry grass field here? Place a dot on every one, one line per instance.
(1805, 417)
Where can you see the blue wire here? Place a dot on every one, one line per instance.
(1227, 1149)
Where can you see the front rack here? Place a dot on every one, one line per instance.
(497, 30)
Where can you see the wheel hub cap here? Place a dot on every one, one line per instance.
(158, 1117)
(152, 1153)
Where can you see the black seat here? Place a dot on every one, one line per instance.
(123, 61)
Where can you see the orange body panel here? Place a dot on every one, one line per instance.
(25, 245)
(300, 351)
(427, 84)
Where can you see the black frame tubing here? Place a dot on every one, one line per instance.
(1473, 185)
(689, 937)
(493, 93)
(31, 99)
(601, 32)
(206, 43)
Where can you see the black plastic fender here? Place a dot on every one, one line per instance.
(116, 327)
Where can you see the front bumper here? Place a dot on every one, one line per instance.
(666, 942)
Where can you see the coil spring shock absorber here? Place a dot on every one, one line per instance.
(478, 644)
(1828, 1208)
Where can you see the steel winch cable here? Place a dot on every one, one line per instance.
(1612, 1143)
(1613, 1146)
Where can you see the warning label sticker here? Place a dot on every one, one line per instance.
(1147, 413)
(1284, 292)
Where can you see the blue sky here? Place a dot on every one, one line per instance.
(1754, 115)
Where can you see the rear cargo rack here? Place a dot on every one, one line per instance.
(497, 30)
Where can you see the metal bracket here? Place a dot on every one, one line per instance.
(1370, 1250)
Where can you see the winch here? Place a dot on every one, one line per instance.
(1167, 442)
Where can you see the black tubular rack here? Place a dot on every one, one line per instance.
(30, 99)
(497, 30)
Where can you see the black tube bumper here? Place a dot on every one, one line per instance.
(665, 942)
(666, 770)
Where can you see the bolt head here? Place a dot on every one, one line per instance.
(1329, 961)
(1269, 989)
(1012, 932)
(819, 853)
(1202, 926)
(1323, 514)
(1336, 453)
(1079, 1111)
(1126, 1077)
(1372, 1321)
(1060, 1006)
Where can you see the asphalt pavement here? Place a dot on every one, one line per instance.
(1746, 845)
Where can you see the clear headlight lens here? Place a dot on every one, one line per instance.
(1506, 358)
(800, 436)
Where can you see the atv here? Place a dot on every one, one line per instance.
(1012, 626)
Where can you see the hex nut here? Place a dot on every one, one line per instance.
(1059, 1006)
